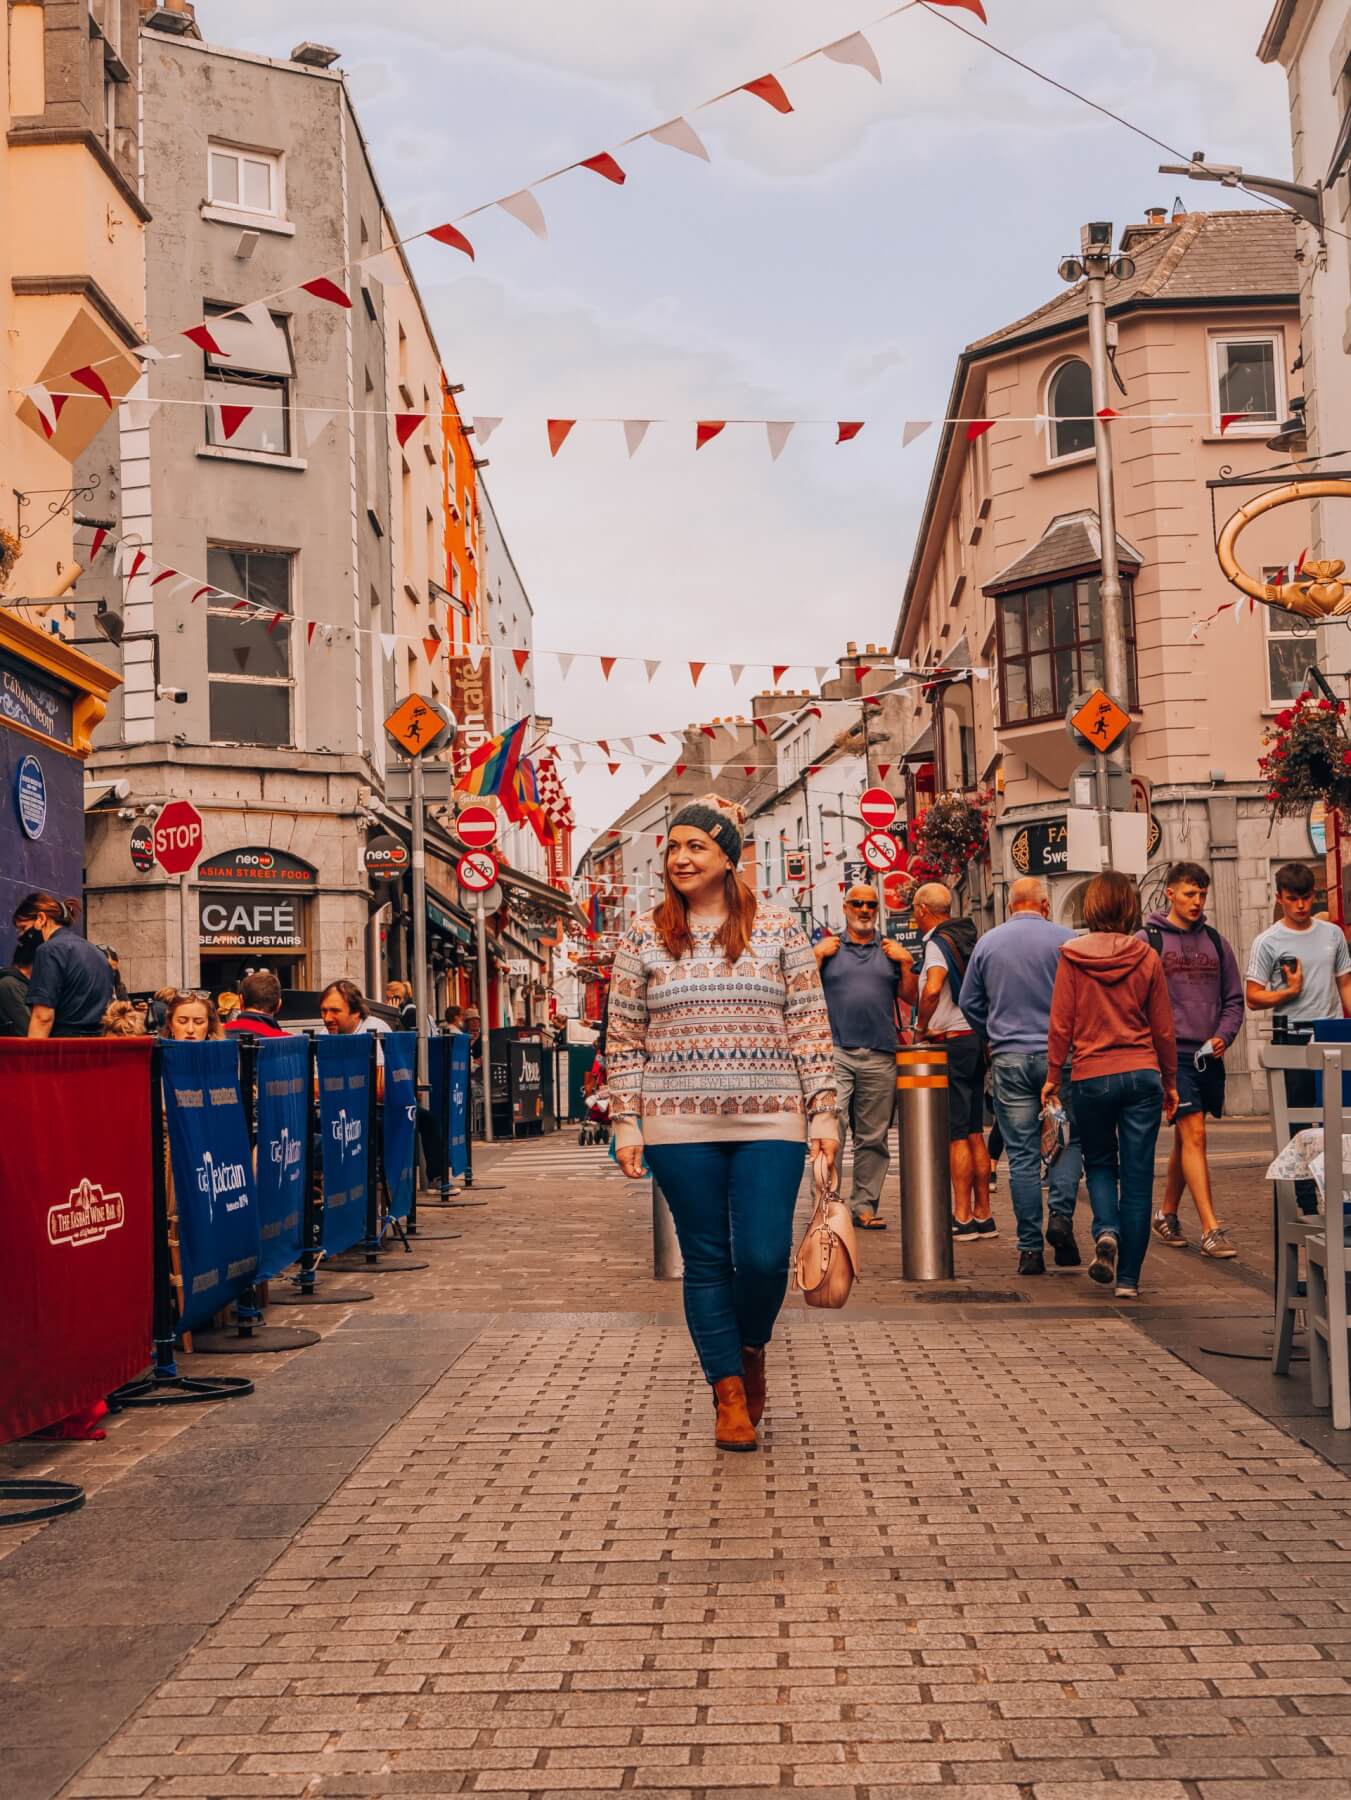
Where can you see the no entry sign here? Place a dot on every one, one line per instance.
(476, 826)
(178, 837)
(877, 809)
(477, 872)
(880, 851)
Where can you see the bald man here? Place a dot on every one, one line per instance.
(1006, 993)
(861, 974)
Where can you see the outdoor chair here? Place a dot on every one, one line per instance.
(1292, 1226)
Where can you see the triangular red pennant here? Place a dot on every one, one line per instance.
(603, 744)
(405, 424)
(91, 379)
(1227, 419)
(696, 670)
(1107, 412)
(706, 430)
(848, 429)
(614, 770)
(708, 731)
(748, 769)
(780, 670)
(240, 606)
(164, 575)
(861, 669)
(430, 646)
(815, 769)
(605, 165)
(201, 336)
(558, 434)
(100, 538)
(273, 623)
(310, 629)
(882, 769)
(135, 568)
(815, 709)
(762, 726)
(769, 89)
(324, 289)
(680, 768)
(520, 658)
(971, 6)
(606, 664)
(58, 405)
(455, 240)
(200, 591)
(231, 418)
(977, 428)
(656, 737)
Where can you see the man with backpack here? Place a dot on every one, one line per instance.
(948, 944)
(1207, 999)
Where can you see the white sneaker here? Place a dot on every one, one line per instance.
(1125, 1293)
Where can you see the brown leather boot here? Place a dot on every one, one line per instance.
(733, 1430)
(753, 1375)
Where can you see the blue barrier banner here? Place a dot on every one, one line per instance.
(212, 1161)
(283, 1087)
(459, 1104)
(345, 1100)
(399, 1143)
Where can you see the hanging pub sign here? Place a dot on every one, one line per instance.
(230, 923)
(385, 858)
(249, 868)
(1041, 848)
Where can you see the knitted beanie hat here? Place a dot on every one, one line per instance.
(721, 819)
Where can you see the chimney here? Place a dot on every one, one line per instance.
(1156, 223)
(177, 17)
(315, 56)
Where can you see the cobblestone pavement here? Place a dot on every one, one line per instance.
(1021, 1551)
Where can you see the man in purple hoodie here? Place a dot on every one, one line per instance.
(1207, 999)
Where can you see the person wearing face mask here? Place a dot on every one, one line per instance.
(14, 984)
(71, 985)
(721, 1068)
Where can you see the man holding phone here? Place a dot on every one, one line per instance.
(1300, 966)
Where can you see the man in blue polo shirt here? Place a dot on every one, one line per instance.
(861, 973)
(1006, 993)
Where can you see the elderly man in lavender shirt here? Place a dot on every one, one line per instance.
(1006, 993)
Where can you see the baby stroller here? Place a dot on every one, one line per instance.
(595, 1127)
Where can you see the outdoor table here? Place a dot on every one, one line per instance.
(1302, 1160)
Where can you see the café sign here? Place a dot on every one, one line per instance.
(230, 923)
(1041, 848)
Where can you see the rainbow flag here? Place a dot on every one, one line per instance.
(492, 768)
(528, 802)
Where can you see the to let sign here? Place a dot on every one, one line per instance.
(178, 837)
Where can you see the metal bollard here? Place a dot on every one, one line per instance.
(926, 1180)
(667, 1262)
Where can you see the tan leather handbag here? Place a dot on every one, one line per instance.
(827, 1258)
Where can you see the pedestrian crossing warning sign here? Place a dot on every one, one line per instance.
(1100, 721)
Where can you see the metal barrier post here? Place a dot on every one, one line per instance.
(926, 1180)
(667, 1262)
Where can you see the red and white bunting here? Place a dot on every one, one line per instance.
(976, 428)
(912, 429)
(565, 662)
(635, 430)
(405, 424)
(201, 336)
(520, 658)
(769, 89)
(679, 134)
(323, 287)
(778, 432)
(652, 665)
(453, 238)
(526, 210)
(706, 430)
(605, 165)
(43, 403)
(847, 430)
(484, 427)
(558, 433)
(91, 379)
(857, 52)
(231, 418)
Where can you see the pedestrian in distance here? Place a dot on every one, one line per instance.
(721, 1067)
(71, 984)
(861, 974)
(1006, 995)
(1111, 1015)
(14, 984)
(260, 1002)
(1300, 969)
(948, 945)
(399, 995)
(1201, 971)
(115, 964)
(191, 1019)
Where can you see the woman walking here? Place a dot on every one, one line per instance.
(721, 1067)
(71, 985)
(1111, 1018)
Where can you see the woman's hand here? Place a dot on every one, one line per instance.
(828, 1147)
(630, 1160)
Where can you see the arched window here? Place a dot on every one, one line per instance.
(1069, 401)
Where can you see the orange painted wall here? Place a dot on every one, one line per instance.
(463, 547)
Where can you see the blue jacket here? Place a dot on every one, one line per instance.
(1007, 990)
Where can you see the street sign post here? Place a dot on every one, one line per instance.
(418, 725)
(476, 827)
(877, 809)
(178, 844)
(477, 871)
(1099, 723)
(880, 851)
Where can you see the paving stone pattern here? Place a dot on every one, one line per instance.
(1019, 1558)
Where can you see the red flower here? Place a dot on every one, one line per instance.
(1306, 695)
(1285, 720)
(1325, 706)
(1346, 759)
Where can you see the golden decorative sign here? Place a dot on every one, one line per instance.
(1317, 592)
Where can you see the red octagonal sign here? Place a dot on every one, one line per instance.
(178, 837)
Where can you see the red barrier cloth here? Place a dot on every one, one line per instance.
(76, 1271)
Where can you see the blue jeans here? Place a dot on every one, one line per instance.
(1119, 1118)
(1017, 1079)
(732, 1203)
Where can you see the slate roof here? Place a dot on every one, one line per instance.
(1072, 541)
(1225, 256)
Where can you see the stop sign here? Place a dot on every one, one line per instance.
(178, 837)
(877, 808)
(476, 827)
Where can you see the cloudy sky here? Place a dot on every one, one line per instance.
(828, 264)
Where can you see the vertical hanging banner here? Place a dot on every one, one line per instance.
(345, 1101)
(75, 1278)
(399, 1142)
(458, 1136)
(438, 1081)
(283, 1160)
(212, 1163)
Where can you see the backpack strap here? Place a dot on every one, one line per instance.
(1155, 937)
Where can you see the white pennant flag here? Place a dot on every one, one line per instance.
(312, 424)
(137, 414)
(524, 208)
(474, 653)
(565, 661)
(42, 400)
(652, 668)
(737, 671)
(679, 134)
(821, 675)
(386, 268)
(626, 745)
(649, 769)
(388, 643)
(856, 51)
(484, 428)
(914, 428)
(778, 431)
(1041, 421)
(635, 430)
(147, 353)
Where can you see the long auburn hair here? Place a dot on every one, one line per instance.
(672, 917)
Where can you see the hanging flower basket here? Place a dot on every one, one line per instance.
(10, 551)
(950, 833)
(1308, 758)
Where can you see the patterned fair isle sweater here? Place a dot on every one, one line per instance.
(708, 1050)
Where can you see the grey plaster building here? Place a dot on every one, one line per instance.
(258, 178)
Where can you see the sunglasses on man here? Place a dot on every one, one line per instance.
(862, 905)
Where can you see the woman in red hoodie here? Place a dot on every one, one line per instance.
(1112, 1020)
